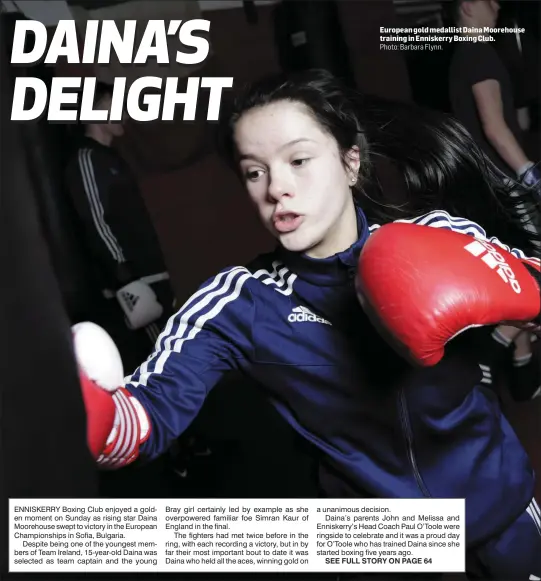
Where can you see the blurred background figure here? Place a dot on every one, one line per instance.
(482, 98)
(481, 92)
(119, 235)
(136, 298)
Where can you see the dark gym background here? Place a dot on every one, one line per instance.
(46, 282)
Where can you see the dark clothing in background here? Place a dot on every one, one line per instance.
(43, 438)
(122, 246)
(115, 221)
(119, 236)
(472, 63)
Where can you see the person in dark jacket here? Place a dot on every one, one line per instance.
(125, 254)
(117, 231)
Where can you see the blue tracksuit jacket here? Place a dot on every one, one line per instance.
(295, 325)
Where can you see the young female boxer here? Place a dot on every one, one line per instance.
(305, 149)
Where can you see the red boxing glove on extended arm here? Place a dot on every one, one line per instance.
(422, 286)
(100, 414)
(117, 424)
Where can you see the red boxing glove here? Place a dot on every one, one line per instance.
(100, 414)
(117, 423)
(422, 286)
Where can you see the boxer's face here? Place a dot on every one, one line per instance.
(297, 179)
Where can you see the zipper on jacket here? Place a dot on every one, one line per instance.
(409, 441)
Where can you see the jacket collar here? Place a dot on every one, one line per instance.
(334, 270)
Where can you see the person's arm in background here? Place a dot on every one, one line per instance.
(482, 71)
(487, 95)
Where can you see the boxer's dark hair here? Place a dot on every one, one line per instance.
(440, 165)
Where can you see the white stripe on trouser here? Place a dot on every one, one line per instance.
(96, 207)
(535, 513)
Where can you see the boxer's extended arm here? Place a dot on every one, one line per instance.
(210, 335)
